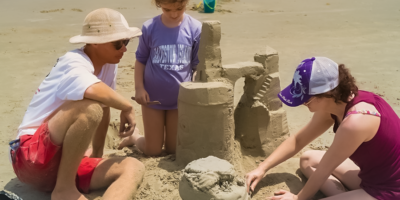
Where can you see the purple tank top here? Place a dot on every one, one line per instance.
(379, 158)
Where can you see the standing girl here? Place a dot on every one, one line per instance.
(166, 56)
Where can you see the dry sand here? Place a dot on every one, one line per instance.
(365, 35)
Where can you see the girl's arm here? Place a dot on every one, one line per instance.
(142, 56)
(319, 123)
(141, 96)
(353, 131)
(194, 75)
(195, 50)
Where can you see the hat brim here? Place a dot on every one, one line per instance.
(288, 98)
(130, 33)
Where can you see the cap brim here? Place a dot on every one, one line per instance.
(292, 100)
(130, 33)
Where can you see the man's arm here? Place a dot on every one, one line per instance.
(100, 135)
(102, 93)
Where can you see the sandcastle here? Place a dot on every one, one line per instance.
(209, 121)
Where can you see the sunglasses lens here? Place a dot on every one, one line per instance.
(126, 42)
(118, 44)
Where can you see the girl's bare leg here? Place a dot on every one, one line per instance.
(346, 174)
(171, 129)
(352, 195)
(130, 140)
(152, 141)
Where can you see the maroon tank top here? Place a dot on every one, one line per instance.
(379, 158)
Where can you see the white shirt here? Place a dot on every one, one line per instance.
(67, 81)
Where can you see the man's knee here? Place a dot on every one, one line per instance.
(133, 168)
(132, 164)
(90, 109)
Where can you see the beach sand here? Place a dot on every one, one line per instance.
(365, 35)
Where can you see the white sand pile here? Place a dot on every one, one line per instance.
(211, 178)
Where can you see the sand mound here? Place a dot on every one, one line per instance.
(211, 178)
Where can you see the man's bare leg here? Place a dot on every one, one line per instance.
(98, 140)
(122, 175)
(72, 126)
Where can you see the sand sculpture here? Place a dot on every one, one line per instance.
(211, 178)
(210, 123)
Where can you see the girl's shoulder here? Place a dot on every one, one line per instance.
(151, 22)
(194, 24)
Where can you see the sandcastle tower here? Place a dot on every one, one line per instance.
(210, 123)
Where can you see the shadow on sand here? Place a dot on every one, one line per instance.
(27, 192)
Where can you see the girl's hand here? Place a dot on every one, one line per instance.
(253, 177)
(194, 76)
(141, 96)
(283, 195)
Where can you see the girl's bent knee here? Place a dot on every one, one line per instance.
(306, 155)
(170, 150)
(312, 154)
(154, 152)
(310, 158)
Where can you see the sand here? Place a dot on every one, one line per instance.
(365, 35)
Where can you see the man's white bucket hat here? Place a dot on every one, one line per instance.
(105, 25)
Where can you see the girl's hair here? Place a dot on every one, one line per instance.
(347, 86)
(159, 2)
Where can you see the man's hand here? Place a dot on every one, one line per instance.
(252, 178)
(141, 96)
(283, 195)
(128, 122)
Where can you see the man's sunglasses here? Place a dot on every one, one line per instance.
(118, 44)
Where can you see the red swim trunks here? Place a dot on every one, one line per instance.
(37, 159)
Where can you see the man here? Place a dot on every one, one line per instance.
(70, 109)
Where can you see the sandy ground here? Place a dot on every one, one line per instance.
(365, 35)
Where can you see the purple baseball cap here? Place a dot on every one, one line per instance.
(313, 76)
